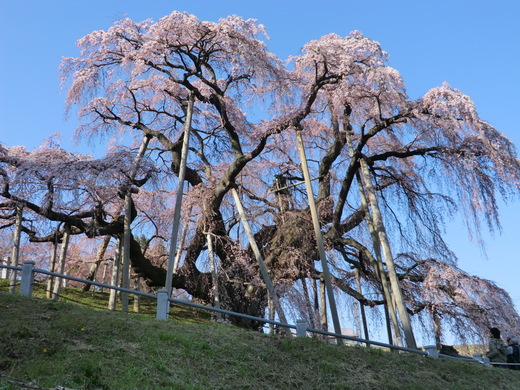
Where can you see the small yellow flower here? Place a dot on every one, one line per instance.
(45, 350)
(82, 329)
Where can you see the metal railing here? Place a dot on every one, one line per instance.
(163, 300)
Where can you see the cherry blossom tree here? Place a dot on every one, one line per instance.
(388, 171)
(53, 185)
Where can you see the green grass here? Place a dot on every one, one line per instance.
(99, 300)
(46, 344)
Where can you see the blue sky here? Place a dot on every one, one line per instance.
(472, 45)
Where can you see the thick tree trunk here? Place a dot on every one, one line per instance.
(271, 314)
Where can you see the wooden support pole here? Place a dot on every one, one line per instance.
(61, 267)
(376, 245)
(387, 254)
(16, 247)
(178, 198)
(214, 276)
(319, 238)
(260, 260)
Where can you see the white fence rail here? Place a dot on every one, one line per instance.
(163, 303)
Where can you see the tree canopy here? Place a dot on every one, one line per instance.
(424, 158)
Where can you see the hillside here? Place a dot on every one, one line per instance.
(46, 344)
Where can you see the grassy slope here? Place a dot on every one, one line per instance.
(45, 344)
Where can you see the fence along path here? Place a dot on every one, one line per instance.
(163, 303)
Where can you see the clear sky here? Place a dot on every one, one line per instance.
(474, 45)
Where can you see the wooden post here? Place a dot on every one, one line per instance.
(4, 272)
(379, 268)
(178, 198)
(316, 299)
(214, 276)
(181, 243)
(362, 307)
(127, 234)
(103, 278)
(97, 261)
(125, 282)
(52, 266)
(308, 303)
(437, 329)
(112, 301)
(376, 244)
(323, 306)
(270, 308)
(319, 238)
(260, 261)
(387, 254)
(137, 300)
(61, 266)
(16, 247)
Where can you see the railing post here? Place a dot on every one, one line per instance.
(163, 304)
(301, 328)
(432, 351)
(4, 272)
(27, 278)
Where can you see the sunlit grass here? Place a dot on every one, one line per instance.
(50, 344)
